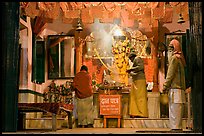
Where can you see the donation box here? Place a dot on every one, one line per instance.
(110, 104)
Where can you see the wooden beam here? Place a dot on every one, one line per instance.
(41, 29)
(56, 42)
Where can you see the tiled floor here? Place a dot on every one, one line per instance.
(102, 131)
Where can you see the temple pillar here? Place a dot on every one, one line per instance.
(78, 51)
(154, 55)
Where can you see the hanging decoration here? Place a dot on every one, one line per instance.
(131, 6)
(152, 5)
(109, 6)
(65, 6)
(77, 5)
(87, 4)
(106, 11)
(95, 3)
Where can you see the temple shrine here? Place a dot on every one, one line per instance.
(57, 38)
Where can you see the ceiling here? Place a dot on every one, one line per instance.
(126, 14)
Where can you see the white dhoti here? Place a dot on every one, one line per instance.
(176, 103)
(85, 111)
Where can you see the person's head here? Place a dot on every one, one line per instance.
(170, 51)
(175, 45)
(132, 56)
(84, 68)
(174, 48)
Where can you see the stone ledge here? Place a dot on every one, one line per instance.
(138, 123)
(46, 123)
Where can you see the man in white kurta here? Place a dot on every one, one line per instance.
(175, 84)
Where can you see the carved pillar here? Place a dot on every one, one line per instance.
(78, 49)
(154, 55)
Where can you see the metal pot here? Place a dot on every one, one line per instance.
(164, 99)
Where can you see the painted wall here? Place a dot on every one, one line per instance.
(26, 62)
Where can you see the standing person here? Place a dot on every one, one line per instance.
(138, 94)
(175, 84)
(82, 85)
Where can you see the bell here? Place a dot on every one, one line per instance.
(79, 27)
(180, 20)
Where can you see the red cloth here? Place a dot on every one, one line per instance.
(83, 84)
(48, 107)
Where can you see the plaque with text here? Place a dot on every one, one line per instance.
(110, 104)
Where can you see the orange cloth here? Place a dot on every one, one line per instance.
(83, 84)
(177, 50)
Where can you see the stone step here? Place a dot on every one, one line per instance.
(138, 123)
(46, 123)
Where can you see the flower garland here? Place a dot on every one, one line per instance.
(120, 50)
